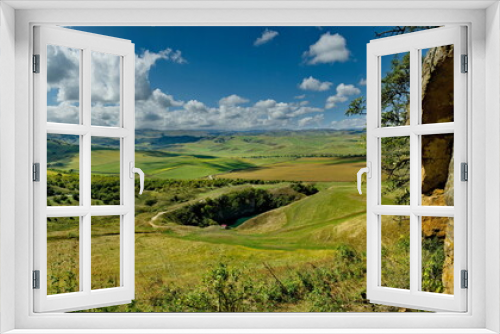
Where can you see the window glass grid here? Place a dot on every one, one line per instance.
(415, 130)
(85, 131)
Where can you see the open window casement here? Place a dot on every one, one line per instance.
(417, 153)
(84, 96)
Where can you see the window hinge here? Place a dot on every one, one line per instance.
(465, 63)
(36, 63)
(36, 279)
(464, 171)
(36, 172)
(464, 279)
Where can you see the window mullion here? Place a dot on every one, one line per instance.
(86, 178)
(414, 170)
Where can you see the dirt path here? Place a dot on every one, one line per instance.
(152, 221)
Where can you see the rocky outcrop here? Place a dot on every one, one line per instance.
(437, 152)
(437, 85)
(437, 107)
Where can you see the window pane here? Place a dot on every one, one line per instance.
(63, 84)
(63, 255)
(105, 105)
(395, 257)
(437, 254)
(437, 170)
(437, 84)
(105, 252)
(395, 89)
(395, 160)
(63, 166)
(105, 165)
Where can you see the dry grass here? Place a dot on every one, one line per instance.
(304, 169)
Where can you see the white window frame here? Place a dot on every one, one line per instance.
(413, 43)
(15, 85)
(85, 297)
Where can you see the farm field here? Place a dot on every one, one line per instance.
(257, 144)
(304, 169)
(272, 258)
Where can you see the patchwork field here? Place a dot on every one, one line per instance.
(302, 250)
(304, 169)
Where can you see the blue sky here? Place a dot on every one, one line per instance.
(244, 78)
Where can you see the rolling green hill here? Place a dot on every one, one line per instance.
(304, 256)
(190, 155)
(279, 143)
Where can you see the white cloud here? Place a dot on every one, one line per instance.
(349, 124)
(261, 115)
(150, 113)
(346, 90)
(194, 106)
(143, 64)
(232, 100)
(156, 109)
(64, 112)
(265, 104)
(310, 120)
(343, 91)
(63, 79)
(362, 82)
(63, 72)
(300, 97)
(105, 115)
(314, 85)
(105, 78)
(328, 49)
(267, 36)
(305, 110)
(332, 101)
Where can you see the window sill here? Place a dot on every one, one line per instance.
(252, 331)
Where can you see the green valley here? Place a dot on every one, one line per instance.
(263, 228)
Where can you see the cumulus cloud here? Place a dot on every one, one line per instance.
(328, 49)
(63, 72)
(150, 113)
(105, 115)
(346, 90)
(262, 114)
(362, 82)
(300, 97)
(267, 36)
(232, 100)
(314, 85)
(143, 64)
(155, 109)
(310, 120)
(64, 112)
(349, 124)
(194, 106)
(63, 67)
(343, 91)
(105, 78)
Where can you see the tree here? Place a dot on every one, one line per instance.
(395, 94)
(357, 107)
(395, 98)
(402, 30)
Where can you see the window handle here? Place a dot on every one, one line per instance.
(133, 171)
(368, 171)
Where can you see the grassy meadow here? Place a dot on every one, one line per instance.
(260, 222)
